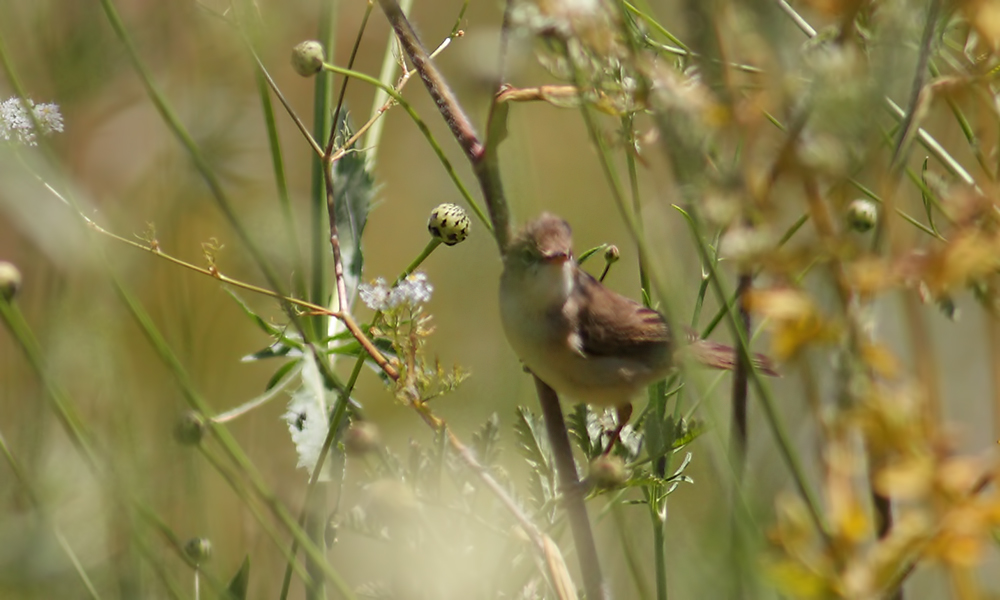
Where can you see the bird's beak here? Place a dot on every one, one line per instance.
(556, 258)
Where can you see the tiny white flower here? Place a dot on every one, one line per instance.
(16, 124)
(49, 117)
(413, 290)
(375, 295)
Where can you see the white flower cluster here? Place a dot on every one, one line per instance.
(413, 290)
(17, 125)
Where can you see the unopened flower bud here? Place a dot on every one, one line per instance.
(190, 428)
(10, 280)
(862, 215)
(607, 471)
(307, 58)
(198, 549)
(449, 223)
(361, 437)
(611, 254)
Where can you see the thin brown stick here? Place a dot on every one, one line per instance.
(460, 125)
(400, 84)
(738, 436)
(213, 272)
(343, 305)
(484, 163)
(572, 491)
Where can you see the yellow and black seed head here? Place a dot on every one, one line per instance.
(449, 223)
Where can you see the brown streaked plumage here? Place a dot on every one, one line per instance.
(582, 339)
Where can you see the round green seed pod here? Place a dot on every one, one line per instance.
(10, 280)
(862, 215)
(612, 254)
(198, 549)
(307, 58)
(449, 223)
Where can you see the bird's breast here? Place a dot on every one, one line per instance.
(541, 325)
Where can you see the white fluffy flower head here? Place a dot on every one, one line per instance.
(16, 124)
(414, 290)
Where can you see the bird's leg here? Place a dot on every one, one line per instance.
(624, 414)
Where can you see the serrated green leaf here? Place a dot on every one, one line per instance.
(577, 424)
(238, 585)
(531, 440)
(534, 446)
(486, 441)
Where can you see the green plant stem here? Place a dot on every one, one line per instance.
(410, 268)
(656, 498)
(657, 511)
(322, 123)
(284, 199)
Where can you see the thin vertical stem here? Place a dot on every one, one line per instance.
(572, 491)
(738, 433)
(484, 160)
(322, 104)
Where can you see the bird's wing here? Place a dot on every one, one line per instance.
(613, 325)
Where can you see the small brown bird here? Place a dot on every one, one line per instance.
(582, 339)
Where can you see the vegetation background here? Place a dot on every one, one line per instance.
(124, 165)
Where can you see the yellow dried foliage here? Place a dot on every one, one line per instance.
(794, 320)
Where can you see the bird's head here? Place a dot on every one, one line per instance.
(546, 242)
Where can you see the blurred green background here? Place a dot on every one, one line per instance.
(117, 157)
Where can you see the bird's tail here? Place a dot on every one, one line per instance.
(721, 356)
